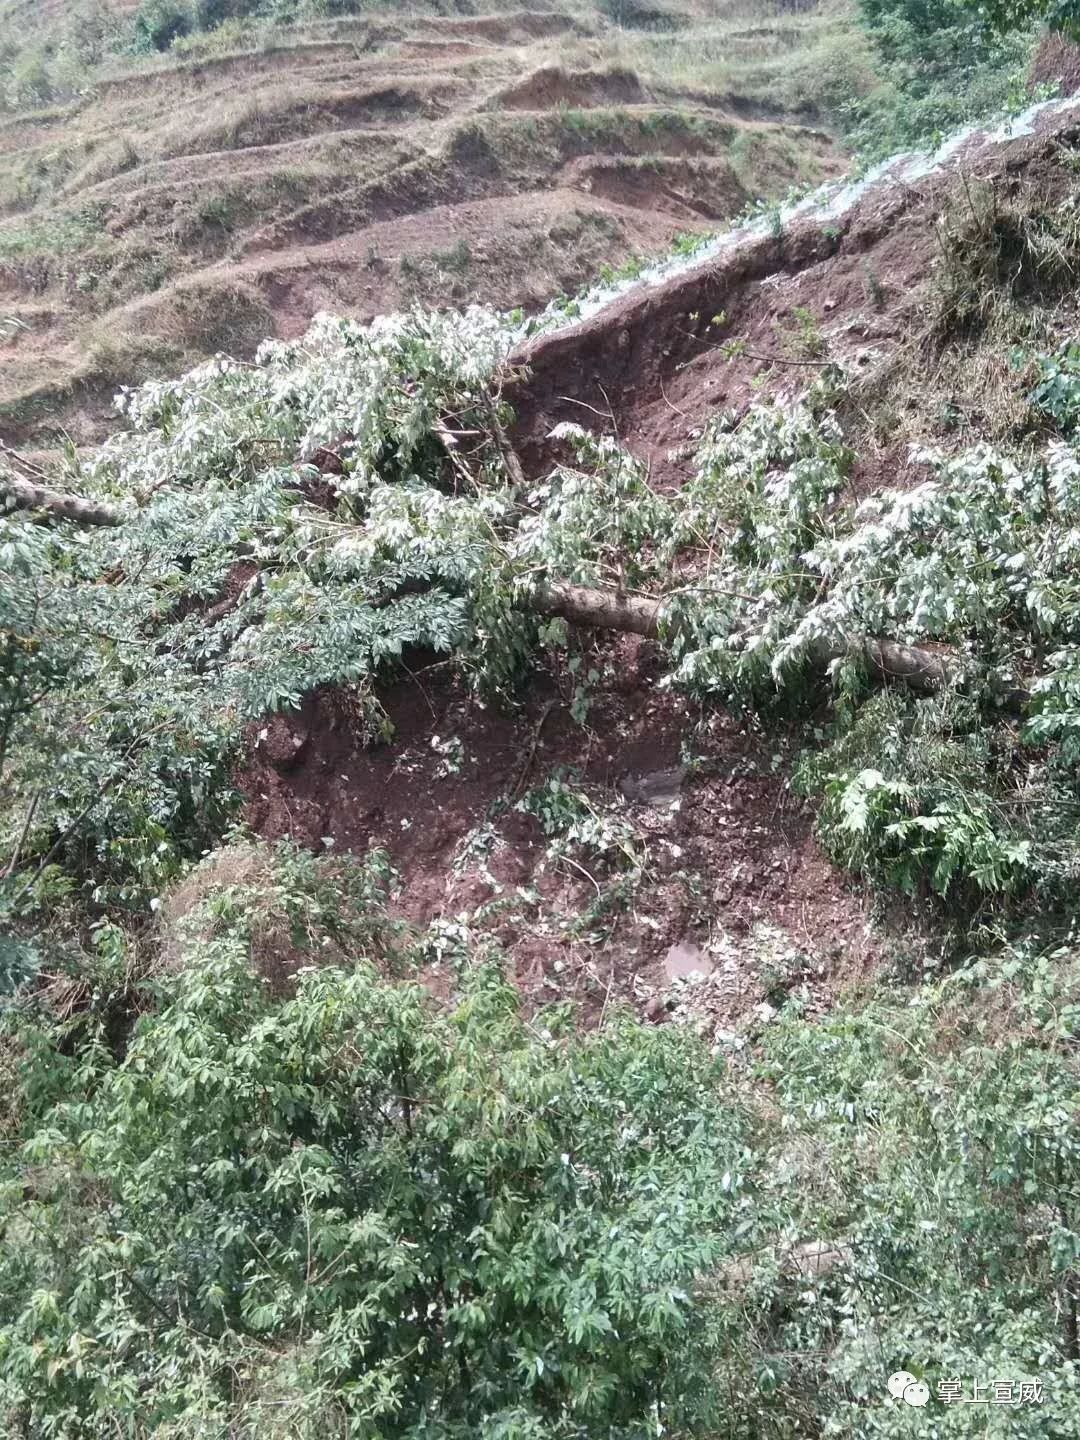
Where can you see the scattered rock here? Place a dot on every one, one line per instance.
(686, 958)
(660, 788)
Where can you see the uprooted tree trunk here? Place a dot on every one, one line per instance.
(811, 1260)
(918, 667)
(922, 669)
(28, 495)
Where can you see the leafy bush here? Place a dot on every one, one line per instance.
(29, 83)
(342, 1209)
(920, 794)
(885, 825)
(930, 1131)
(353, 1213)
(158, 23)
(123, 701)
(941, 69)
(1057, 393)
(1006, 15)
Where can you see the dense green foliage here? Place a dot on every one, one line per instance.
(349, 1212)
(126, 681)
(941, 67)
(342, 1210)
(1007, 15)
(935, 1132)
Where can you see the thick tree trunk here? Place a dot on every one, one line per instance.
(921, 669)
(598, 609)
(28, 495)
(918, 667)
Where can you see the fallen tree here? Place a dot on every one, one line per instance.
(923, 669)
(23, 494)
(259, 558)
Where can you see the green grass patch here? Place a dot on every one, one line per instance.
(58, 234)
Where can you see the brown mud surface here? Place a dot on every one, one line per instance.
(856, 288)
(552, 86)
(728, 856)
(1057, 63)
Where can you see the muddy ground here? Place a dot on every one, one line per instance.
(725, 868)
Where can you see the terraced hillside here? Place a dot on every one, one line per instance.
(202, 201)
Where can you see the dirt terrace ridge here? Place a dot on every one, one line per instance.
(651, 365)
(197, 207)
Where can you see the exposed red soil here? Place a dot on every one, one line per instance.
(734, 852)
(657, 360)
(551, 86)
(364, 275)
(690, 190)
(1056, 62)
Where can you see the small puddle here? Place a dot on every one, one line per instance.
(685, 958)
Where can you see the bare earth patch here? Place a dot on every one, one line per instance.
(728, 849)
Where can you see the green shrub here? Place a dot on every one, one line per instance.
(29, 81)
(339, 1209)
(352, 1213)
(1057, 393)
(929, 1130)
(158, 23)
(940, 69)
(919, 794)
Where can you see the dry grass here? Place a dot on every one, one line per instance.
(755, 55)
(1002, 288)
(1001, 251)
(243, 876)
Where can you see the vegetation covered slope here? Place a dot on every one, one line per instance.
(538, 862)
(286, 1156)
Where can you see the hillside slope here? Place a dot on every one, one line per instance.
(540, 855)
(870, 278)
(199, 204)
